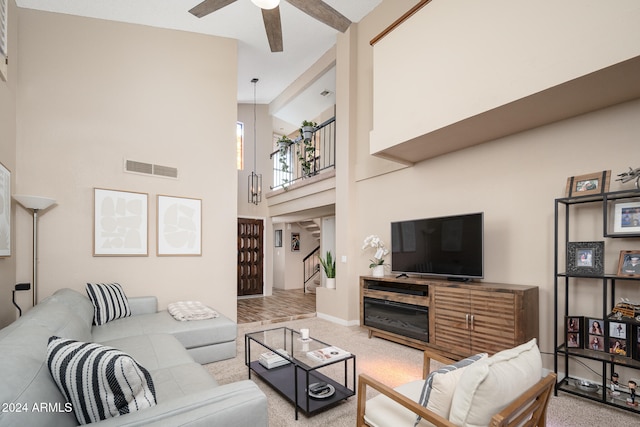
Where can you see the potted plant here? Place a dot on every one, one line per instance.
(307, 129)
(284, 144)
(377, 262)
(329, 267)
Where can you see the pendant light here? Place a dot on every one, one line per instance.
(255, 179)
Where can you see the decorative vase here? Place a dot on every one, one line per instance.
(330, 283)
(378, 271)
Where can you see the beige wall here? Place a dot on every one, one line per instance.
(8, 90)
(513, 180)
(470, 57)
(93, 93)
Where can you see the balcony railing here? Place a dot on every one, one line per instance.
(305, 158)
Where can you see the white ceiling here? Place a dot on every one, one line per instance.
(305, 39)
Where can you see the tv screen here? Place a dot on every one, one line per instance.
(450, 246)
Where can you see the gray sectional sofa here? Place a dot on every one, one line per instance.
(171, 351)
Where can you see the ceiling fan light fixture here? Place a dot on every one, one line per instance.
(266, 4)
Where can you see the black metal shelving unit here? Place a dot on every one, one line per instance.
(563, 282)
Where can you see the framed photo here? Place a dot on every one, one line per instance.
(585, 258)
(120, 223)
(595, 334)
(179, 226)
(629, 264)
(295, 242)
(626, 218)
(5, 211)
(636, 342)
(574, 331)
(618, 336)
(277, 238)
(584, 185)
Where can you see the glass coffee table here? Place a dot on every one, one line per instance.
(286, 362)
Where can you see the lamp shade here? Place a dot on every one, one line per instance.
(33, 202)
(266, 4)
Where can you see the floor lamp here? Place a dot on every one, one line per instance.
(35, 204)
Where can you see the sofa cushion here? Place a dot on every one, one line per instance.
(438, 389)
(190, 334)
(491, 384)
(100, 382)
(109, 302)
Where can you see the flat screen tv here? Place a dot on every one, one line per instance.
(449, 246)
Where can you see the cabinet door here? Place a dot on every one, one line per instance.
(493, 321)
(451, 318)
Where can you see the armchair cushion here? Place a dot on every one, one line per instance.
(439, 386)
(383, 412)
(491, 384)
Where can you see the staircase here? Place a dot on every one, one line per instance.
(312, 227)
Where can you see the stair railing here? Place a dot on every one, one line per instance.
(293, 163)
(311, 266)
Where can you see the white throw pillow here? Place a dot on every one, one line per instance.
(100, 382)
(488, 386)
(439, 386)
(109, 302)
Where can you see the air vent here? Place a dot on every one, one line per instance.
(150, 169)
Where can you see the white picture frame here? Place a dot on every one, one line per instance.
(120, 222)
(179, 226)
(5, 212)
(626, 218)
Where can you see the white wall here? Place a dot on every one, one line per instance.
(93, 93)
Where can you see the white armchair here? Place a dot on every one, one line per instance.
(503, 390)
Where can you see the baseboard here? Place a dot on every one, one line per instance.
(337, 320)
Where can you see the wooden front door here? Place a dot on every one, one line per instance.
(250, 256)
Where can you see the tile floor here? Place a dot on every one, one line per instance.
(280, 307)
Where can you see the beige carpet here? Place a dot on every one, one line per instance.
(393, 364)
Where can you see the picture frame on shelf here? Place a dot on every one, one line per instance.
(636, 342)
(574, 331)
(588, 184)
(120, 223)
(629, 264)
(626, 218)
(594, 334)
(618, 338)
(585, 258)
(5, 211)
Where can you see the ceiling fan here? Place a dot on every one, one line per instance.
(317, 9)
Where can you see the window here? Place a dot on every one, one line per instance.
(4, 7)
(239, 145)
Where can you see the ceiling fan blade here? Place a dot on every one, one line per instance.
(273, 26)
(323, 13)
(209, 6)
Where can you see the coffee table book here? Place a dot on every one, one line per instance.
(328, 354)
(271, 359)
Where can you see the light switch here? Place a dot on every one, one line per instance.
(343, 258)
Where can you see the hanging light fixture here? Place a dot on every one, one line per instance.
(266, 4)
(255, 179)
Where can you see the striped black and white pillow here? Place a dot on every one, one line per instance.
(100, 382)
(109, 302)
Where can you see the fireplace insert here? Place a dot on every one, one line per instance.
(400, 318)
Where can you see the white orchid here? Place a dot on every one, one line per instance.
(376, 243)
